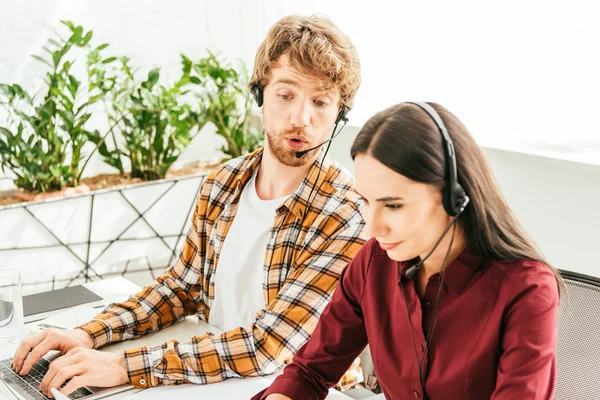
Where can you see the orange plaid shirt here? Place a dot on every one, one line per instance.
(296, 294)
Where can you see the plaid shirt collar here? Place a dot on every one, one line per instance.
(298, 201)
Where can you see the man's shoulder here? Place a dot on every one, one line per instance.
(227, 174)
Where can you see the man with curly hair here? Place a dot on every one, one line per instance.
(272, 231)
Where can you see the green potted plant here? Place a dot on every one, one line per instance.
(153, 121)
(43, 143)
(150, 123)
(228, 104)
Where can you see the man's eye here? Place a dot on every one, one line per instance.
(320, 103)
(285, 96)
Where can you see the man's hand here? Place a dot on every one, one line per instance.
(85, 367)
(277, 396)
(32, 348)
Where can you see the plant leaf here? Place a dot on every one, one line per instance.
(108, 60)
(40, 59)
(73, 85)
(86, 39)
(153, 76)
(68, 23)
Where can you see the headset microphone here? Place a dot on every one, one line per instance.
(300, 154)
(258, 92)
(341, 117)
(412, 270)
(454, 197)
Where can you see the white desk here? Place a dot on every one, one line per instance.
(119, 289)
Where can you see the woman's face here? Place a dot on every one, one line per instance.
(406, 217)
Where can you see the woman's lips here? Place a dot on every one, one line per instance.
(388, 246)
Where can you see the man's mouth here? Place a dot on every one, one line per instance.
(295, 142)
(296, 138)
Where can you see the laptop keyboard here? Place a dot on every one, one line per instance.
(28, 385)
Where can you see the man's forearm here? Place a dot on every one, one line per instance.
(155, 307)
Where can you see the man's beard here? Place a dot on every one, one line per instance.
(284, 154)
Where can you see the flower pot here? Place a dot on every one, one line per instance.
(57, 242)
(68, 192)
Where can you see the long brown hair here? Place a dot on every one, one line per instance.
(405, 139)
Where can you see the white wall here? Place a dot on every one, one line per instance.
(556, 201)
(523, 75)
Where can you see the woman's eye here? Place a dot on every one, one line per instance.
(320, 103)
(285, 96)
(394, 206)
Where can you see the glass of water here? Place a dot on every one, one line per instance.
(11, 306)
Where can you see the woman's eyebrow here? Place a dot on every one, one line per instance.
(382, 199)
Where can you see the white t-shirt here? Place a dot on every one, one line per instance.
(240, 271)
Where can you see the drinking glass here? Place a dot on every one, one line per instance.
(12, 326)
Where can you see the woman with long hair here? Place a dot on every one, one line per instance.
(450, 293)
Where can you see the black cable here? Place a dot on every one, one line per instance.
(309, 201)
(433, 322)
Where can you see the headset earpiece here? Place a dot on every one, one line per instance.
(257, 92)
(342, 115)
(454, 197)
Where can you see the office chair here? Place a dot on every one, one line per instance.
(578, 341)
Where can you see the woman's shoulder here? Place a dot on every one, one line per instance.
(524, 276)
(523, 268)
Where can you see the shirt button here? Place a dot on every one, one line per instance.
(421, 347)
(427, 304)
(416, 394)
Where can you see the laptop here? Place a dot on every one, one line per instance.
(58, 395)
(16, 387)
(13, 386)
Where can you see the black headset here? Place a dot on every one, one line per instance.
(454, 197)
(257, 91)
(454, 200)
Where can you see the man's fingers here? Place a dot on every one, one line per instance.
(24, 348)
(38, 352)
(63, 375)
(55, 366)
(73, 385)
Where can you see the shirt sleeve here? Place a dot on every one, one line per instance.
(276, 334)
(338, 339)
(169, 299)
(527, 365)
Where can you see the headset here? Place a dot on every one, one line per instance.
(454, 200)
(454, 197)
(258, 93)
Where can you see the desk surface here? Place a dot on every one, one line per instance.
(119, 289)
